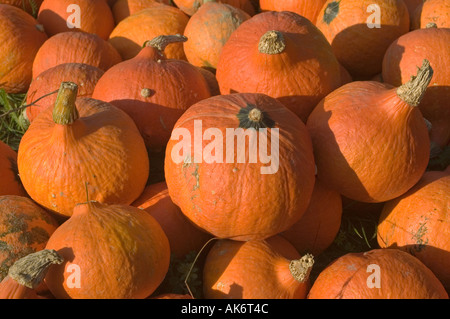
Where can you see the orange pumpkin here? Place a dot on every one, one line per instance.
(172, 296)
(358, 160)
(400, 63)
(377, 274)
(156, 201)
(191, 6)
(211, 80)
(91, 16)
(124, 8)
(21, 37)
(432, 12)
(86, 76)
(280, 54)
(82, 147)
(228, 189)
(29, 6)
(10, 183)
(25, 228)
(75, 47)
(307, 8)
(266, 269)
(153, 90)
(418, 223)
(110, 252)
(208, 30)
(129, 36)
(359, 46)
(412, 5)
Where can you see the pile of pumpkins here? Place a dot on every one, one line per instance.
(351, 98)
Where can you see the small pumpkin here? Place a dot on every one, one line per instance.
(131, 33)
(283, 55)
(400, 63)
(435, 12)
(377, 274)
(418, 222)
(156, 201)
(359, 46)
(124, 8)
(263, 269)
(153, 90)
(26, 274)
(117, 252)
(25, 228)
(358, 160)
(91, 16)
(84, 75)
(309, 9)
(190, 7)
(21, 37)
(75, 47)
(10, 183)
(228, 189)
(82, 147)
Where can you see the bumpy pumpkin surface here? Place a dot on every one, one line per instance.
(192, 6)
(309, 9)
(10, 182)
(124, 8)
(432, 12)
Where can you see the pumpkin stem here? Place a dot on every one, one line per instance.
(162, 41)
(65, 111)
(301, 268)
(30, 270)
(272, 42)
(253, 117)
(431, 25)
(413, 91)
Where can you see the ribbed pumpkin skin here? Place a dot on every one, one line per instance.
(10, 182)
(174, 85)
(358, 48)
(354, 157)
(25, 5)
(320, 224)
(252, 270)
(286, 76)
(129, 35)
(232, 199)
(307, 8)
(192, 6)
(432, 11)
(24, 228)
(400, 63)
(75, 47)
(124, 8)
(402, 276)
(418, 223)
(95, 16)
(156, 201)
(86, 76)
(208, 30)
(121, 251)
(20, 40)
(103, 148)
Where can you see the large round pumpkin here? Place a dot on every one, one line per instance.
(10, 183)
(418, 223)
(435, 12)
(233, 188)
(82, 148)
(21, 37)
(357, 158)
(361, 31)
(280, 54)
(307, 8)
(109, 251)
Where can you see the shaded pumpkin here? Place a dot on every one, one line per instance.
(400, 63)
(258, 269)
(319, 225)
(153, 90)
(129, 36)
(357, 275)
(25, 228)
(21, 37)
(190, 7)
(10, 183)
(75, 47)
(28, 6)
(91, 16)
(84, 75)
(418, 222)
(359, 47)
(82, 147)
(280, 54)
(124, 8)
(353, 157)
(412, 5)
(210, 78)
(223, 186)
(208, 30)
(172, 296)
(345, 76)
(309, 9)
(435, 12)
(156, 201)
(119, 251)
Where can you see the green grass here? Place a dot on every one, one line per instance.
(13, 123)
